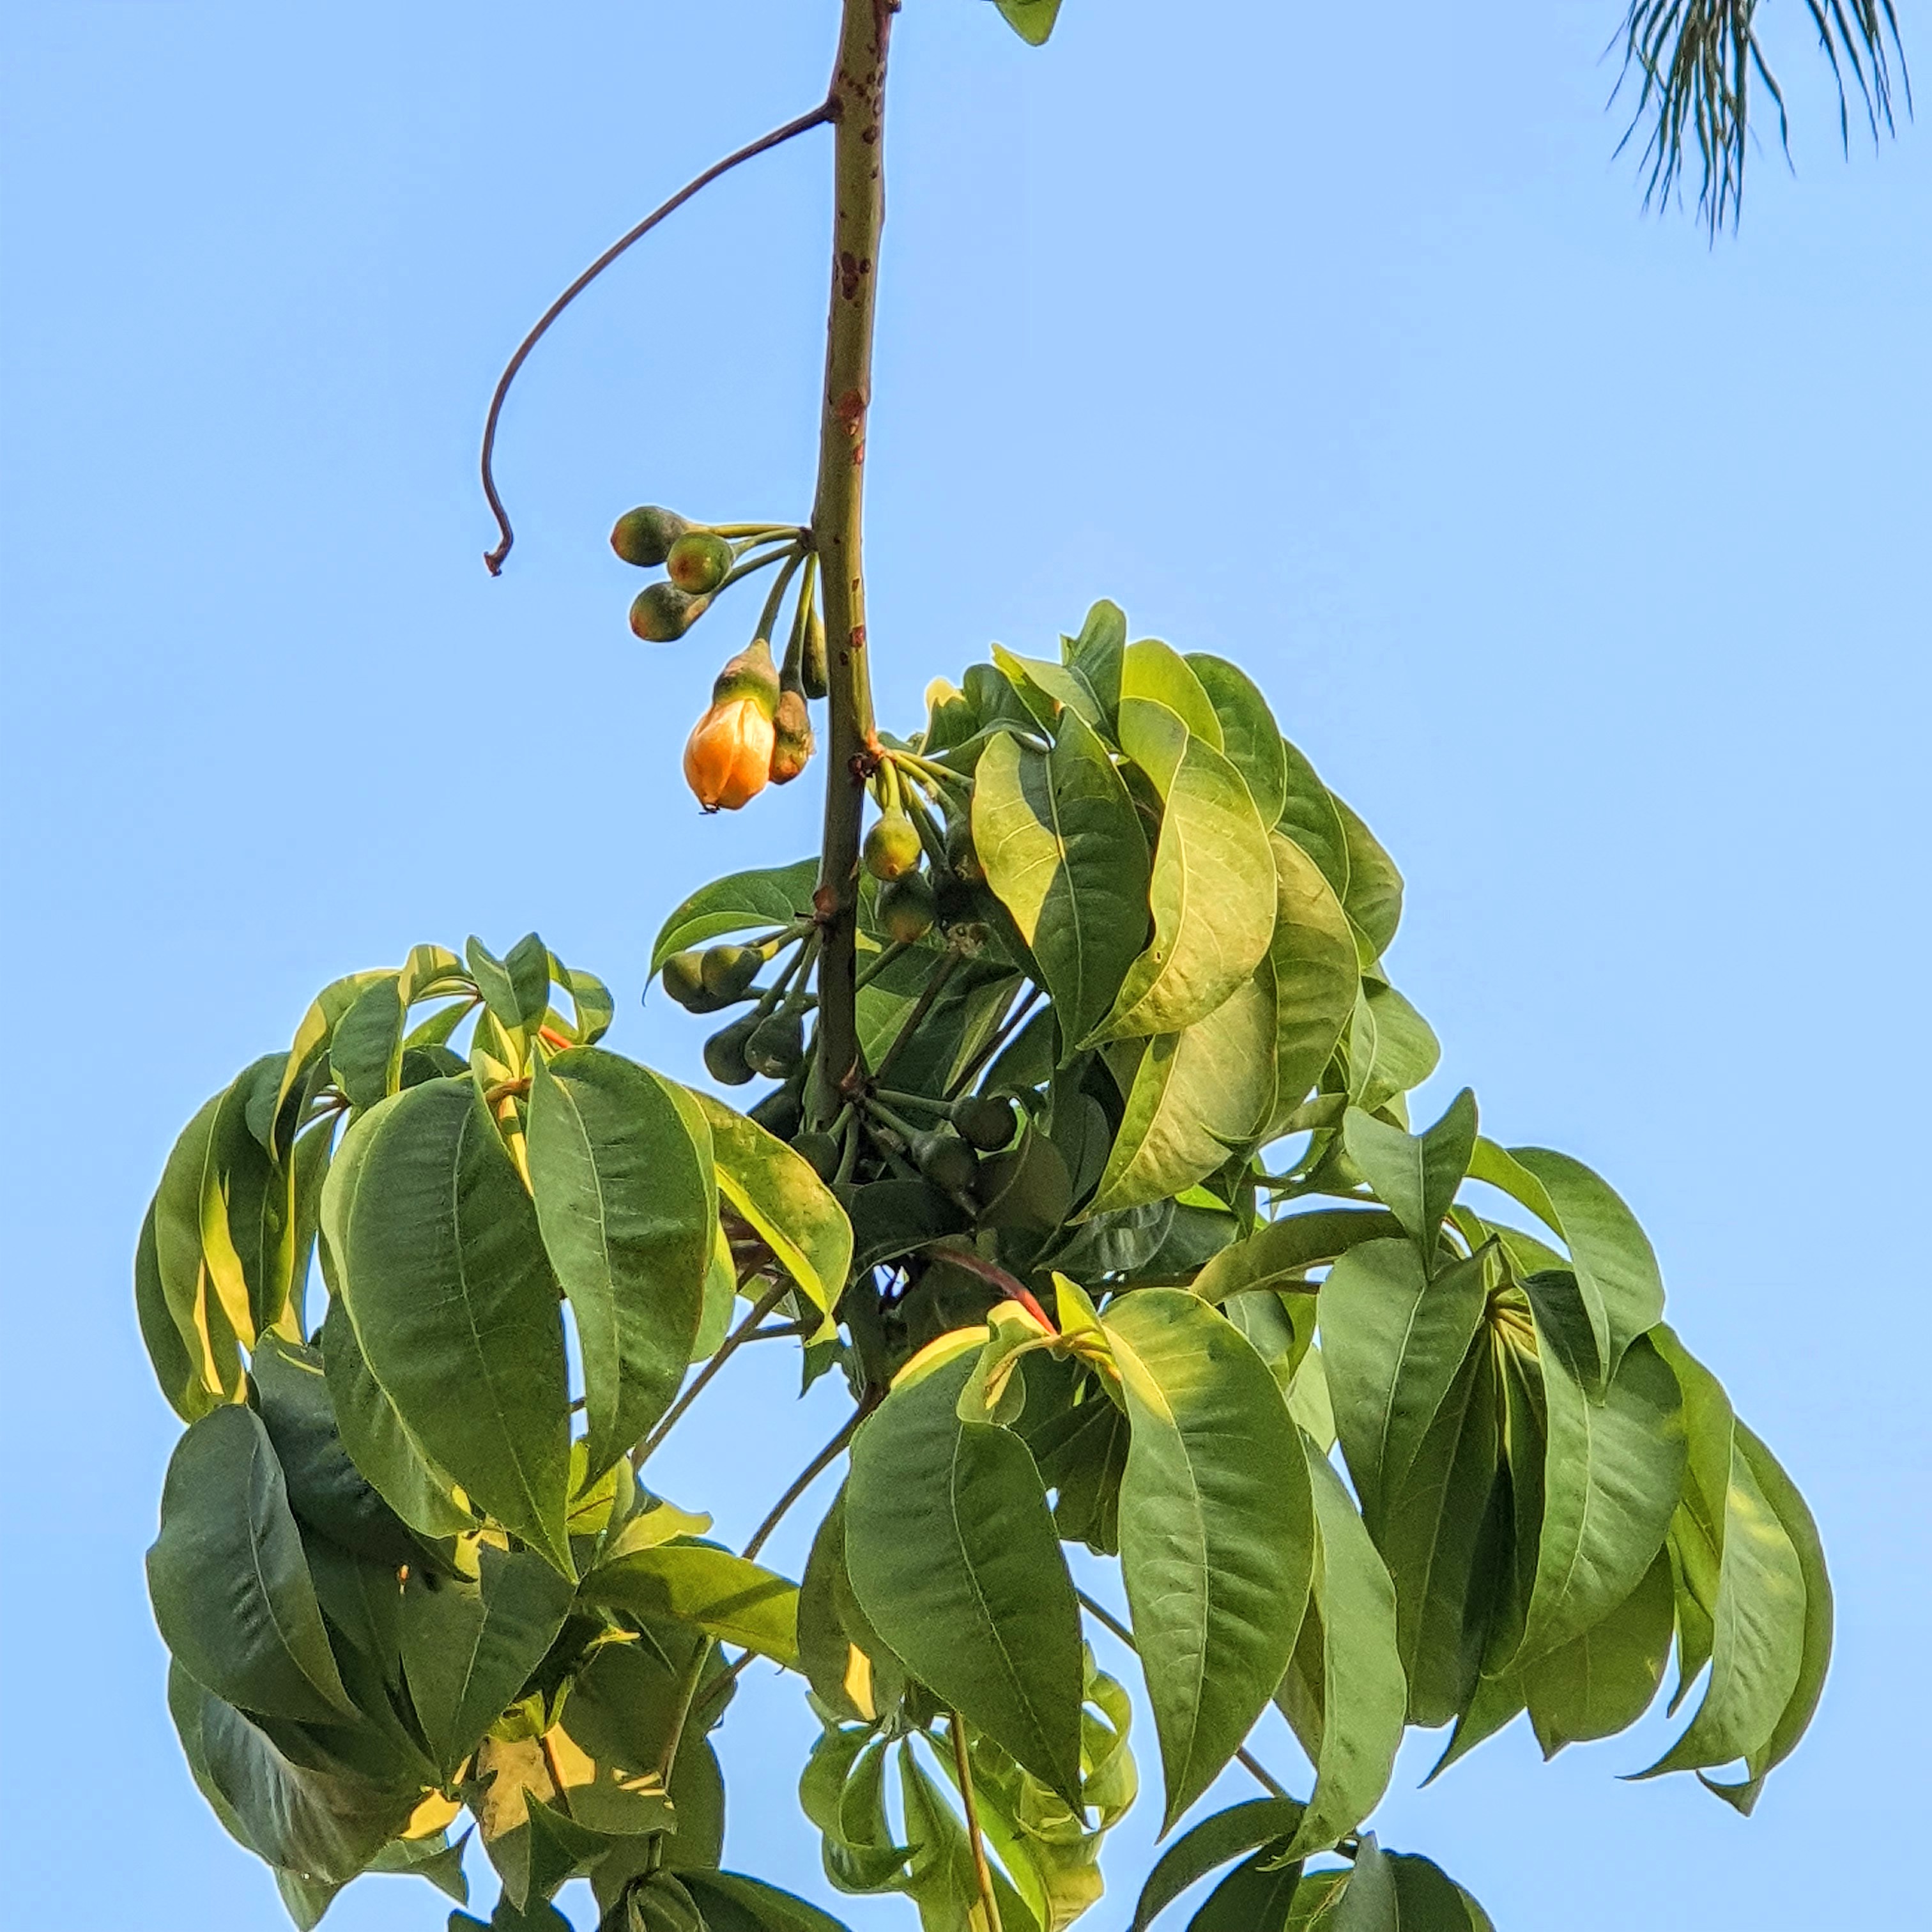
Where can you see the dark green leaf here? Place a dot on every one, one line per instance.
(231, 1588)
(453, 1302)
(516, 988)
(732, 1902)
(1063, 849)
(1098, 653)
(1601, 1682)
(1217, 1528)
(620, 1166)
(178, 1371)
(1309, 816)
(1212, 896)
(1415, 1175)
(1311, 958)
(1256, 1897)
(468, 1648)
(712, 1590)
(1395, 1891)
(1373, 899)
(1249, 734)
(746, 901)
(953, 1558)
(1213, 1843)
(365, 1052)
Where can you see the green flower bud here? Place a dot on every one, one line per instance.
(987, 1124)
(726, 971)
(699, 561)
(907, 908)
(683, 980)
(820, 1152)
(946, 1161)
(751, 674)
(644, 536)
(661, 614)
(724, 1051)
(815, 668)
(781, 1112)
(777, 1049)
(791, 741)
(892, 847)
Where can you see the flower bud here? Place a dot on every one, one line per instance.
(892, 847)
(724, 1051)
(699, 561)
(776, 1048)
(791, 747)
(814, 667)
(683, 980)
(644, 536)
(781, 1112)
(819, 1151)
(661, 614)
(949, 1163)
(987, 1124)
(906, 908)
(961, 853)
(750, 674)
(727, 760)
(726, 971)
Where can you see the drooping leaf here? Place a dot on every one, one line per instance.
(1098, 654)
(378, 1442)
(1614, 1472)
(1373, 899)
(515, 988)
(712, 1590)
(1031, 19)
(1196, 1095)
(1397, 1892)
(316, 1030)
(1615, 1266)
(1345, 1693)
(1393, 1342)
(620, 1167)
(1309, 816)
(1249, 734)
(797, 1216)
(1403, 1050)
(1602, 1681)
(1214, 1842)
(1212, 894)
(230, 1586)
(953, 1558)
(453, 1302)
(942, 1882)
(1217, 1528)
(1311, 958)
(733, 1903)
(1415, 1175)
(179, 1372)
(1278, 1254)
(773, 896)
(1063, 850)
(468, 1648)
(1259, 1891)
(206, 1325)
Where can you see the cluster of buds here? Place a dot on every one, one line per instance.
(920, 848)
(757, 732)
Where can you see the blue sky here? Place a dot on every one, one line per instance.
(1588, 561)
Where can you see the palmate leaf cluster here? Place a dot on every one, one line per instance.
(1366, 1447)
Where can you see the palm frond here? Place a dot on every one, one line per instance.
(1696, 62)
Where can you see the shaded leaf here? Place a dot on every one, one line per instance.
(773, 896)
(1415, 1175)
(1213, 1843)
(1602, 1681)
(1249, 734)
(712, 1590)
(1373, 897)
(1311, 959)
(732, 1902)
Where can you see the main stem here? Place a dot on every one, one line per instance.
(857, 104)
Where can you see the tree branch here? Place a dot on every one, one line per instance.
(493, 559)
(806, 1477)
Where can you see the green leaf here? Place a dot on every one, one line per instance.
(746, 901)
(1373, 899)
(211, 1329)
(377, 1441)
(1217, 1528)
(1064, 851)
(712, 1590)
(453, 1302)
(178, 1371)
(1345, 1693)
(1311, 958)
(1615, 1265)
(1213, 1843)
(942, 1882)
(325, 1827)
(793, 1211)
(1404, 1050)
(620, 1166)
(1249, 734)
(1613, 1474)
(468, 1649)
(1097, 655)
(1212, 899)
(230, 1587)
(1196, 1095)
(1602, 1681)
(325, 1490)
(954, 1559)
(1415, 1175)
(1782, 1494)
(1393, 1342)
(515, 988)
(318, 1027)
(1309, 816)
(1258, 1894)
(1153, 673)
(1046, 689)
(1278, 1254)
(365, 1052)
(732, 1902)
(1395, 1891)
(1031, 19)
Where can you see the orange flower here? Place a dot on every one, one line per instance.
(727, 761)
